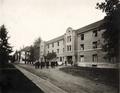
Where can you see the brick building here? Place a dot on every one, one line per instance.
(82, 46)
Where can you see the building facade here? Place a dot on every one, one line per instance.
(82, 46)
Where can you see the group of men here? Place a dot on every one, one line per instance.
(45, 64)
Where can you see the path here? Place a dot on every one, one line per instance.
(45, 85)
(69, 83)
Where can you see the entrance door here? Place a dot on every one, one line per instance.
(69, 59)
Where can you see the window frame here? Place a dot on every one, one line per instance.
(81, 46)
(94, 44)
(82, 36)
(52, 44)
(82, 56)
(58, 51)
(95, 33)
(95, 58)
(58, 43)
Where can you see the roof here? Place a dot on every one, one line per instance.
(81, 30)
(55, 39)
(26, 49)
(89, 27)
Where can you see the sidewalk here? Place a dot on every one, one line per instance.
(45, 85)
(13, 81)
(69, 83)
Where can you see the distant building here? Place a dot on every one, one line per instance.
(22, 56)
(82, 46)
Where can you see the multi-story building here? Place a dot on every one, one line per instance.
(82, 46)
(55, 45)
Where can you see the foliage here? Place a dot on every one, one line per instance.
(37, 42)
(5, 48)
(36, 47)
(51, 56)
(35, 50)
(32, 57)
(112, 26)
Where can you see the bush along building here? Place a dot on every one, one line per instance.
(82, 47)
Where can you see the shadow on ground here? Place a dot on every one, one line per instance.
(102, 75)
(13, 81)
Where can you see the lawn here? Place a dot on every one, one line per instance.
(13, 81)
(106, 76)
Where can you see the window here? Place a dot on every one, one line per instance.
(0, 40)
(82, 47)
(60, 58)
(69, 39)
(82, 36)
(94, 44)
(52, 51)
(63, 49)
(95, 33)
(81, 58)
(95, 57)
(52, 44)
(69, 48)
(58, 43)
(48, 45)
(57, 50)
(48, 52)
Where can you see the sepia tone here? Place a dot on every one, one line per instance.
(57, 46)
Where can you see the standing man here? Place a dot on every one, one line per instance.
(65, 63)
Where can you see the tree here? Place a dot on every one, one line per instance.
(5, 48)
(33, 52)
(112, 26)
(37, 48)
(51, 56)
(32, 57)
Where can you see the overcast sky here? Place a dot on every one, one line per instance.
(27, 20)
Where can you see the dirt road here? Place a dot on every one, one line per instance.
(69, 83)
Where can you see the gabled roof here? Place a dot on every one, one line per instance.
(89, 27)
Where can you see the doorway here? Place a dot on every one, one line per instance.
(69, 59)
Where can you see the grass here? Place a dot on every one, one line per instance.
(13, 81)
(106, 76)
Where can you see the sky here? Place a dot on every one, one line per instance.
(26, 20)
